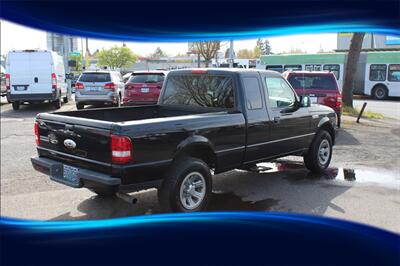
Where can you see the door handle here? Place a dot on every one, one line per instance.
(277, 119)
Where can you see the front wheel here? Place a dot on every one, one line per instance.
(80, 106)
(15, 105)
(186, 187)
(319, 154)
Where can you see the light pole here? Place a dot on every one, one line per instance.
(231, 54)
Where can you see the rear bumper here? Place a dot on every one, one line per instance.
(31, 97)
(93, 99)
(88, 178)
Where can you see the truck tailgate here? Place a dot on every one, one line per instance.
(75, 144)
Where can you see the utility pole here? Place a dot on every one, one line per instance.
(231, 54)
(66, 50)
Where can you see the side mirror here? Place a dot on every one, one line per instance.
(69, 75)
(305, 101)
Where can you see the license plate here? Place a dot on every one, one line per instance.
(314, 99)
(95, 89)
(145, 90)
(70, 175)
(20, 88)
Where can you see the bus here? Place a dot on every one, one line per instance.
(377, 72)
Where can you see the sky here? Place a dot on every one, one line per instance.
(14, 36)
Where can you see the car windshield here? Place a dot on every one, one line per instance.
(321, 82)
(95, 77)
(146, 78)
(199, 90)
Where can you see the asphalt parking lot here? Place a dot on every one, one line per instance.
(363, 183)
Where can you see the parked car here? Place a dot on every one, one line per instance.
(35, 76)
(206, 119)
(143, 87)
(320, 86)
(99, 87)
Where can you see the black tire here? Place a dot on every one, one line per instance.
(339, 120)
(15, 105)
(80, 106)
(65, 99)
(57, 103)
(103, 192)
(169, 194)
(118, 104)
(312, 159)
(380, 92)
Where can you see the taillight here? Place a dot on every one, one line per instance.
(36, 129)
(121, 147)
(79, 86)
(110, 86)
(7, 81)
(53, 81)
(338, 99)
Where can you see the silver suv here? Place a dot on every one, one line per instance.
(99, 87)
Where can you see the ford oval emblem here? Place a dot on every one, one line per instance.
(69, 143)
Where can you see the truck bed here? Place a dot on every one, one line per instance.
(134, 113)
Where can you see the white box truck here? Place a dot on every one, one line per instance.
(35, 76)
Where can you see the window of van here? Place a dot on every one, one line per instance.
(293, 67)
(278, 68)
(377, 72)
(394, 72)
(335, 69)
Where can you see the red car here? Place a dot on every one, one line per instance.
(143, 87)
(321, 87)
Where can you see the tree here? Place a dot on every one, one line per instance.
(245, 54)
(158, 53)
(116, 57)
(351, 68)
(263, 47)
(208, 49)
(80, 62)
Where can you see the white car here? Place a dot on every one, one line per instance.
(35, 76)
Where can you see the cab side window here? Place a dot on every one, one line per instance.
(280, 95)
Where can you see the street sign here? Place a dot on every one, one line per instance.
(75, 54)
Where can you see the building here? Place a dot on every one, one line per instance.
(55, 42)
(371, 41)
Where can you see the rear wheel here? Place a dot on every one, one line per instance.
(57, 103)
(80, 106)
(15, 105)
(339, 119)
(320, 153)
(65, 99)
(186, 187)
(380, 92)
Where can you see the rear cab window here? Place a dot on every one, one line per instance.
(199, 90)
(95, 77)
(320, 82)
(147, 78)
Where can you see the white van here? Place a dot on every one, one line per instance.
(35, 76)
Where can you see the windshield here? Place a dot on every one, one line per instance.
(95, 77)
(320, 82)
(199, 90)
(146, 78)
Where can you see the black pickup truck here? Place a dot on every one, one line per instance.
(206, 121)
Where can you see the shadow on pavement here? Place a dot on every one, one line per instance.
(28, 111)
(346, 138)
(287, 187)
